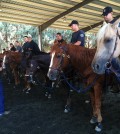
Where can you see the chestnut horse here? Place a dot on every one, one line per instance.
(81, 59)
(14, 61)
(108, 47)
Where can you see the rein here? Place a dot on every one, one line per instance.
(66, 79)
(109, 67)
(108, 64)
(80, 90)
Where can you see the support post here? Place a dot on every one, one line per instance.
(40, 37)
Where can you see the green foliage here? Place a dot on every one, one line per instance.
(48, 37)
(11, 32)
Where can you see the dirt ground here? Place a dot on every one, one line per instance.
(35, 114)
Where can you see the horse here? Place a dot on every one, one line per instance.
(108, 47)
(13, 61)
(80, 58)
(39, 66)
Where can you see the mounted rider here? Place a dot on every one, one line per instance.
(59, 39)
(78, 36)
(33, 47)
(108, 17)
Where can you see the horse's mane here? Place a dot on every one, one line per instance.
(57, 46)
(82, 54)
(105, 32)
(102, 31)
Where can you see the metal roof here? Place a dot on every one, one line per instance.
(42, 12)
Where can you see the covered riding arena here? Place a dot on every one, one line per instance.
(34, 113)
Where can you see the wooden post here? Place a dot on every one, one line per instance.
(40, 37)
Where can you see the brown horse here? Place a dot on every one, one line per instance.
(81, 59)
(13, 60)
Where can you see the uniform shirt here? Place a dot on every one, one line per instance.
(13, 49)
(78, 36)
(34, 48)
(25, 47)
(60, 41)
(19, 49)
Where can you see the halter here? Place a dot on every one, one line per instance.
(61, 60)
(108, 64)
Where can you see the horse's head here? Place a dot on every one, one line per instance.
(31, 71)
(59, 60)
(108, 47)
(12, 59)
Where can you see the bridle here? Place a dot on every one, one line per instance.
(62, 56)
(108, 64)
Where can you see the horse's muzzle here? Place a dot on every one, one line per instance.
(52, 74)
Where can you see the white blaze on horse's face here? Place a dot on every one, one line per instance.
(3, 64)
(51, 63)
(106, 39)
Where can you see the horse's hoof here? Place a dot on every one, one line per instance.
(49, 96)
(93, 120)
(57, 86)
(28, 91)
(71, 90)
(46, 94)
(98, 128)
(34, 83)
(67, 109)
(25, 89)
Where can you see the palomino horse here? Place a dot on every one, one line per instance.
(108, 46)
(81, 59)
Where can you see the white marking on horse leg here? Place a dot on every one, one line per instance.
(51, 63)
(3, 64)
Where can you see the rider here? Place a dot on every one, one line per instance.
(78, 39)
(12, 47)
(108, 17)
(18, 46)
(33, 47)
(78, 36)
(59, 39)
(25, 45)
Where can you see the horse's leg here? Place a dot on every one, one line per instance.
(27, 86)
(16, 76)
(94, 118)
(98, 95)
(68, 103)
(48, 87)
